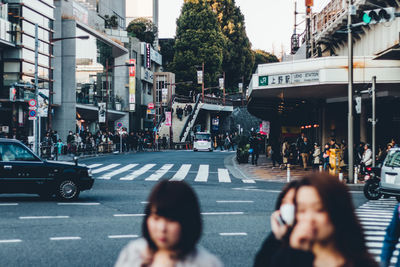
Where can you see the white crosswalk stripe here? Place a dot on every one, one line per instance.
(94, 165)
(182, 172)
(105, 168)
(223, 176)
(202, 174)
(109, 175)
(137, 173)
(375, 216)
(160, 173)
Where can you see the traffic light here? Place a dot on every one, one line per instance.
(379, 15)
(13, 94)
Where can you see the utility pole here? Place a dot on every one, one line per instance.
(224, 87)
(202, 81)
(36, 130)
(309, 3)
(350, 97)
(106, 94)
(373, 119)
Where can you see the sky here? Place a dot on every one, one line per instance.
(269, 23)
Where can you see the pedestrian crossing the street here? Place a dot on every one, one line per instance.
(154, 172)
(375, 216)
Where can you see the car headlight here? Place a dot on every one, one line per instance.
(89, 172)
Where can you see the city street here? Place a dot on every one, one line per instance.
(92, 231)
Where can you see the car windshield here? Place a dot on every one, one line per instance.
(202, 137)
(393, 159)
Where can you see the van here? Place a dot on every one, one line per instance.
(390, 174)
(202, 141)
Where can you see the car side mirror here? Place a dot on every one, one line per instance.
(76, 160)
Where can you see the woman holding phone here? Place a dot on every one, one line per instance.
(326, 231)
(171, 229)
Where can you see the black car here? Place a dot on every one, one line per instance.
(21, 171)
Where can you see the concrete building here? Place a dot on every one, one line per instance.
(310, 95)
(90, 74)
(142, 9)
(17, 46)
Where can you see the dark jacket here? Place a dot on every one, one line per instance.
(305, 147)
(391, 239)
(269, 248)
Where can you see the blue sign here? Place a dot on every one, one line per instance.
(119, 124)
(32, 113)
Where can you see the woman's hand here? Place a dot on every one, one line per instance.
(278, 229)
(163, 258)
(302, 236)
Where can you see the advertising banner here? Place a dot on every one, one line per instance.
(168, 118)
(43, 103)
(221, 83)
(164, 96)
(102, 112)
(265, 128)
(199, 77)
(132, 85)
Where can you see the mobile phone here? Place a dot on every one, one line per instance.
(287, 214)
(280, 220)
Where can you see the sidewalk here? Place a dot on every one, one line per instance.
(266, 172)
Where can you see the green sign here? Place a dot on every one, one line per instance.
(262, 80)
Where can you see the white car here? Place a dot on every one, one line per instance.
(202, 141)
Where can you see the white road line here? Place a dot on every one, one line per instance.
(375, 233)
(223, 213)
(223, 176)
(129, 215)
(137, 173)
(374, 238)
(65, 238)
(248, 181)
(181, 173)
(109, 175)
(105, 168)
(159, 173)
(380, 219)
(233, 234)
(373, 223)
(122, 236)
(78, 204)
(94, 166)
(8, 204)
(202, 174)
(10, 241)
(42, 217)
(235, 201)
(144, 202)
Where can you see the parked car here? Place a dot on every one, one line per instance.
(390, 174)
(22, 171)
(202, 141)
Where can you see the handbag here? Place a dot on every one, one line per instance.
(250, 150)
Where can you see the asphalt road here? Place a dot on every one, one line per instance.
(92, 231)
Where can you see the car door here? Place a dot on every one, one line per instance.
(25, 170)
(390, 173)
(6, 169)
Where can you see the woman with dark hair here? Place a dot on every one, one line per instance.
(327, 231)
(171, 229)
(279, 226)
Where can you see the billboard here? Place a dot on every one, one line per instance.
(132, 85)
(43, 103)
(102, 112)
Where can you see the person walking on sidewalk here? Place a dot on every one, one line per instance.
(316, 156)
(305, 151)
(255, 142)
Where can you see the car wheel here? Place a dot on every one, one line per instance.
(68, 190)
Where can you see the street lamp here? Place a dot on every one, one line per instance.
(127, 64)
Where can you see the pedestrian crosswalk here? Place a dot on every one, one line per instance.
(375, 216)
(154, 172)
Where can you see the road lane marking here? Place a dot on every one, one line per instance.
(129, 215)
(202, 174)
(181, 173)
(233, 234)
(223, 176)
(94, 166)
(249, 181)
(223, 213)
(144, 202)
(10, 241)
(105, 168)
(65, 238)
(137, 173)
(235, 201)
(78, 204)
(122, 236)
(9, 204)
(42, 217)
(109, 175)
(159, 173)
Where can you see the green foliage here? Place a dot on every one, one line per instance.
(198, 39)
(110, 22)
(262, 57)
(238, 59)
(143, 29)
(167, 52)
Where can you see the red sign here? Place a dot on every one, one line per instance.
(32, 103)
(132, 70)
(150, 106)
(168, 118)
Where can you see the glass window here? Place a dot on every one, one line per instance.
(11, 66)
(15, 152)
(43, 8)
(30, 42)
(393, 159)
(34, 17)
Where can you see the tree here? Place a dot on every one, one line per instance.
(143, 29)
(238, 58)
(262, 57)
(167, 52)
(198, 39)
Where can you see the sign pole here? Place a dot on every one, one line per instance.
(36, 128)
(202, 82)
(373, 120)
(350, 97)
